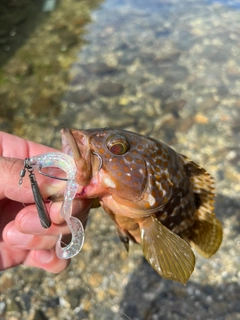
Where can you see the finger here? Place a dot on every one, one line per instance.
(80, 210)
(47, 260)
(25, 149)
(17, 239)
(10, 256)
(8, 212)
(9, 184)
(44, 259)
(27, 221)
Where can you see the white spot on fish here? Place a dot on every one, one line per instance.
(128, 174)
(108, 182)
(158, 184)
(151, 200)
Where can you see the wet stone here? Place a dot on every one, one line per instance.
(99, 69)
(80, 96)
(215, 54)
(110, 89)
(53, 302)
(78, 80)
(235, 126)
(222, 91)
(39, 315)
(158, 91)
(13, 306)
(127, 58)
(175, 74)
(233, 315)
(233, 73)
(74, 297)
(174, 107)
(82, 314)
(5, 125)
(2, 307)
(67, 40)
(44, 105)
(163, 33)
(208, 103)
(235, 306)
(186, 40)
(26, 300)
(167, 58)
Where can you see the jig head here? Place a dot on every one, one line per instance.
(40, 204)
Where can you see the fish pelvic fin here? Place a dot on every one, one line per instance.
(206, 233)
(166, 252)
(124, 239)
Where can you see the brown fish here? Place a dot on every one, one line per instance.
(155, 196)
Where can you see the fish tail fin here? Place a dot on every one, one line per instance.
(166, 252)
(206, 233)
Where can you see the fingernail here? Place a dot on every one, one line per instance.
(44, 256)
(31, 223)
(16, 238)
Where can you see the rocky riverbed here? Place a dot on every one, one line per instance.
(169, 69)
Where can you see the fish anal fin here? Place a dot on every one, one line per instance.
(206, 236)
(166, 252)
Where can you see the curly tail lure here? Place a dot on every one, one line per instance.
(67, 164)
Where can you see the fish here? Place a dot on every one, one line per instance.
(155, 196)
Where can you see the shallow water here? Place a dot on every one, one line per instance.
(171, 70)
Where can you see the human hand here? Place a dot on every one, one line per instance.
(22, 238)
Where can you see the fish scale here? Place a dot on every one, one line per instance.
(155, 196)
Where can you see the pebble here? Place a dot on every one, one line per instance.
(80, 96)
(110, 89)
(99, 69)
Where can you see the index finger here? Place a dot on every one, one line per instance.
(11, 149)
(14, 147)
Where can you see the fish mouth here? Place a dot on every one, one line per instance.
(76, 144)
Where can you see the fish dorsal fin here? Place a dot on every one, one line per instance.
(206, 233)
(166, 252)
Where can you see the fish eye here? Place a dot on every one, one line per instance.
(117, 144)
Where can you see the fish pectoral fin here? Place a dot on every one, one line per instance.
(167, 253)
(206, 236)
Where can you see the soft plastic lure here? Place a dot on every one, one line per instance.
(67, 164)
